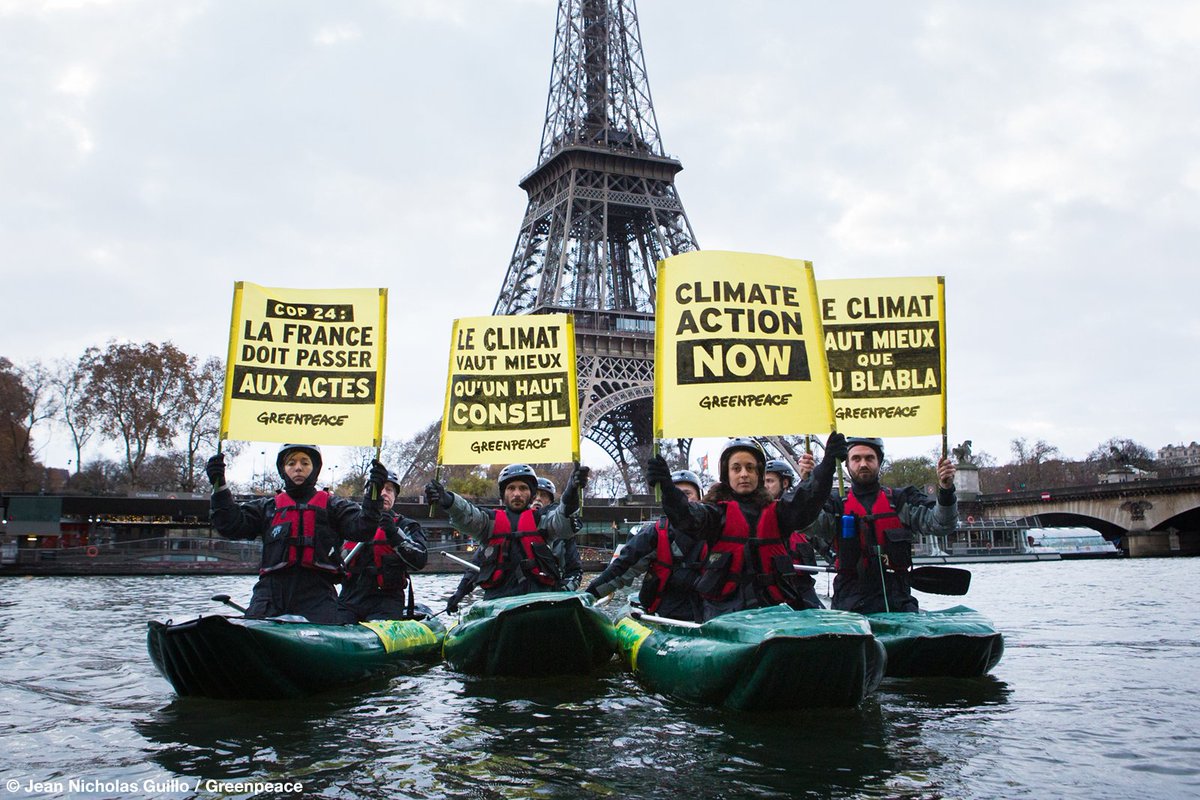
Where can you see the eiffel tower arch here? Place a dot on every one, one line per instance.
(603, 210)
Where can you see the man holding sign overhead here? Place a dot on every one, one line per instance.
(517, 558)
(872, 529)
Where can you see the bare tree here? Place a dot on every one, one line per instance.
(101, 476)
(353, 474)
(415, 460)
(919, 471)
(1119, 452)
(607, 482)
(1028, 470)
(136, 396)
(71, 382)
(200, 417)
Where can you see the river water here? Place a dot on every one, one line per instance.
(1095, 698)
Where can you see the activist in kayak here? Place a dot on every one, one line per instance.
(871, 530)
(516, 558)
(748, 565)
(670, 561)
(302, 529)
(570, 564)
(780, 479)
(378, 584)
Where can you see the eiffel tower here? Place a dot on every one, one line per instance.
(602, 212)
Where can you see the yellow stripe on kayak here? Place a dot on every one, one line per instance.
(401, 634)
(630, 635)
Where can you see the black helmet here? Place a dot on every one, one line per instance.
(872, 442)
(546, 485)
(741, 443)
(782, 468)
(518, 472)
(393, 479)
(687, 476)
(313, 452)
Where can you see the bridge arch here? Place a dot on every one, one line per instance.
(1188, 520)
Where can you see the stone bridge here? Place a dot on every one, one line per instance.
(1160, 516)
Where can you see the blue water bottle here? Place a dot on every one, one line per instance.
(849, 529)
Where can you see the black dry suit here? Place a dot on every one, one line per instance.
(378, 585)
(671, 563)
(875, 554)
(302, 531)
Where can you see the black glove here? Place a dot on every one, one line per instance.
(674, 501)
(436, 493)
(575, 485)
(657, 472)
(835, 450)
(452, 603)
(835, 447)
(593, 591)
(376, 478)
(215, 469)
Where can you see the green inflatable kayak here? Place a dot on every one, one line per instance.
(544, 633)
(763, 659)
(956, 642)
(233, 657)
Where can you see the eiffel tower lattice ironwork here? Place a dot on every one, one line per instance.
(603, 210)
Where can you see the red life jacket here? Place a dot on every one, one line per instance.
(391, 577)
(308, 541)
(799, 553)
(496, 562)
(752, 553)
(663, 566)
(873, 535)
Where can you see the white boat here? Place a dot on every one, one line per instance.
(1070, 543)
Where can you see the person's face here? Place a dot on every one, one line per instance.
(863, 464)
(775, 484)
(298, 466)
(689, 490)
(517, 495)
(743, 472)
(542, 500)
(388, 495)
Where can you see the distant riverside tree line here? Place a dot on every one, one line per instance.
(162, 408)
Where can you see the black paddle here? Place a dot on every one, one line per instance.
(224, 598)
(931, 580)
(940, 580)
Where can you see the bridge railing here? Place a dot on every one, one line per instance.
(1148, 486)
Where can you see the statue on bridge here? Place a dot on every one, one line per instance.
(963, 452)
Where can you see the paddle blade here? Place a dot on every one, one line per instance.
(940, 580)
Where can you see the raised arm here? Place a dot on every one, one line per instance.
(698, 519)
(804, 505)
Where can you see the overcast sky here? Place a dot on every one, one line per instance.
(1042, 156)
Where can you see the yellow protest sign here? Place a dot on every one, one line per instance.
(510, 391)
(885, 341)
(738, 347)
(306, 365)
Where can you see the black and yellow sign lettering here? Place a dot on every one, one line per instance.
(885, 346)
(738, 347)
(510, 392)
(303, 362)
